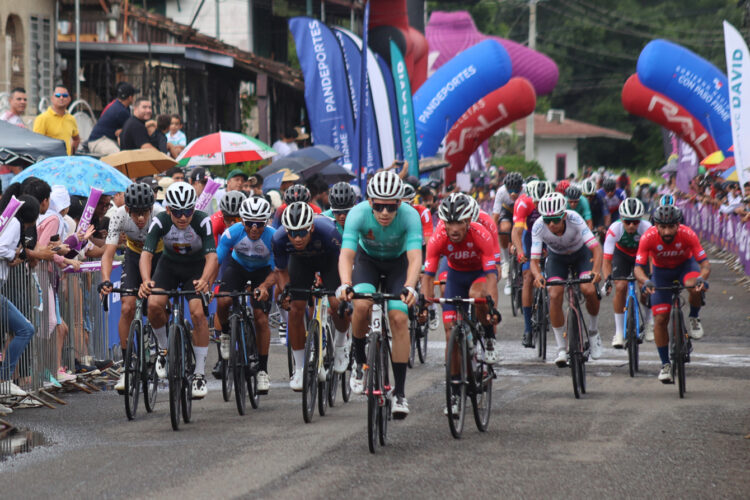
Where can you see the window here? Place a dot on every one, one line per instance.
(40, 60)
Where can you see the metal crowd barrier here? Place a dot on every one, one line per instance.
(40, 294)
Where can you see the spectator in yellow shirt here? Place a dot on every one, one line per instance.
(57, 123)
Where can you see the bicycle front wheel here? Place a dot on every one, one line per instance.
(174, 371)
(384, 409)
(574, 349)
(252, 361)
(327, 364)
(310, 372)
(237, 361)
(374, 392)
(422, 331)
(678, 334)
(632, 340)
(148, 371)
(133, 368)
(481, 398)
(187, 374)
(456, 380)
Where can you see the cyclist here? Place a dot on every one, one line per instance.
(228, 213)
(571, 246)
(525, 215)
(306, 244)
(382, 237)
(249, 245)
(502, 212)
(612, 196)
(665, 199)
(596, 205)
(424, 213)
(579, 204)
(131, 220)
(295, 192)
(676, 254)
(188, 261)
(342, 198)
(472, 270)
(620, 248)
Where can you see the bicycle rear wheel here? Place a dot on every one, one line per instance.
(148, 372)
(573, 351)
(481, 398)
(253, 363)
(174, 367)
(237, 361)
(455, 383)
(310, 372)
(412, 336)
(187, 375)
(346, 390)
(631, 340)
(133, 369)
(544, 327)
(515, 289)
(374, 392)
(422, 331)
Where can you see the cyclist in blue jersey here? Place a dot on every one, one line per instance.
(382, 237)
(342, 198)
(307, 244)
(612, 197)
(245, 251)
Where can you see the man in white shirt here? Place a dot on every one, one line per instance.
(17, 103)
(286, 144)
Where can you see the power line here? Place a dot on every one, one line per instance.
(590, 51)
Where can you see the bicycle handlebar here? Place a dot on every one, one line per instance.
(569, 282)
(315, 292)
(458, 300)
(121, 291)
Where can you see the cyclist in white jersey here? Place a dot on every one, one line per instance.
(502, 212)
(571, 246)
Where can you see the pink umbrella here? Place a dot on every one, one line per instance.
(223, 148)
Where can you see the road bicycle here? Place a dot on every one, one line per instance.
(633, 326)
(540, 321)
(516, 285)
(140, 358)
(466, 373)
(417, 333)
(577, 334)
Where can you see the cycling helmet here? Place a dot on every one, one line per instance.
(298, 215)
(531, 178)
(631, 208)
(342, 196)
(385, 186)
(139, 196)
(552, 205)
(255, 208)
(180, 195)
(408, 193)
(514, 182)
(588, 187)
(297, 192)
(538, 189)
(455, 208)
(668, 214)
(609, 185)
(562, 186)
(666, 199)
(474, 209)
(231, 202)
(573, 193)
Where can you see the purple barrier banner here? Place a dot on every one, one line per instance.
(208, 193)
(88, 214)
(90, 267)
(725, 231)
(10, 211)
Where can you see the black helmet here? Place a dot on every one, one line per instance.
(342, 196)
(609, 185)
(514, 182)
(573, 193)
(139, 196)
(297, 192)
(668, 214)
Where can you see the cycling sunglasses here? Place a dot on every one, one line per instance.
(551, 220)
(186, 212)
(297, 233)
(340, 211)
(388, 207)
(64, 96)
(255, 224)
(628, 222)
(140, 213)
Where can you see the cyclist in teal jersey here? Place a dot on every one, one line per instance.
(579, 203)
(382, 237)
(342, 198)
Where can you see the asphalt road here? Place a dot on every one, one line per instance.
(627, 437)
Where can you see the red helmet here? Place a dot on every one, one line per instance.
(562, 186)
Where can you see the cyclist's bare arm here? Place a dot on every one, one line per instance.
(515, 236)
(346, 262)
(536, 271)
(210, 268)
(107, 258)
(144, 265)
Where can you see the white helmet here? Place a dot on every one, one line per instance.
(231, 201)
(385, 186)
(298, 215)
(631, 208)
(474, 209)
(552, 205)
(255, 208)
(180, 195)
(409, 193)
(588, 187)
(456, 207)
(538, 190)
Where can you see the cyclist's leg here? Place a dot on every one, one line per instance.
(398, 316)
(556, 269)
(365, 276)
(527, 292)
(131, 278)
(622, 267)
(262, 330)
(186, 275)
(301, 275)
(582, 262)
(691, 271)
(165, 278)
(661, 305)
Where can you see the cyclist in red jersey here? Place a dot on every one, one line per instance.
(424, 213)
(676, 254)
(228, 213)
(472, 269)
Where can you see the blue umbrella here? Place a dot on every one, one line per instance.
(78, 174)
(273, 181)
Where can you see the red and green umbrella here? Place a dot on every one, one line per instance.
(223, 148)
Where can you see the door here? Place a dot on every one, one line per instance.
(560, 161)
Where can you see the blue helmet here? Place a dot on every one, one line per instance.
(666, 199)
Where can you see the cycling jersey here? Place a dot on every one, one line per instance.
(325, 242)
(329, 213)
(475, 252)
(404, 233)
(576, 235)
(121, 222)
(618, 238)
(582, 208)
(684, 246)
(488, 223)
(182, 245)
(426, 217)
(598, 210)
(525, 213)
(251, 254)
(503, 200)
(612, 203)
(217, 226)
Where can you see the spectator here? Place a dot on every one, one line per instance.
(256, 185)
(159, 135)
(176, 137)
(17, 102)
(134, 134)
(746, 190)
(118, 200)
(303, 138)
(286, 144)
(57, 123)
(733, 199)
(104, 136)
(235, 179)
(164, 183)
(151, 181)
(198, 179)
(150, 129)
(176, 174)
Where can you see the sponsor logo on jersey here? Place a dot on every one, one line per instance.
(370, 235)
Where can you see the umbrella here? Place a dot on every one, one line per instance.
(273, 181)
(431, 164)
(723, 165)
(223, 148)
(334, 173)
(644, 180)
(298, 165)
(25, 142)
(78, 174)
(713, 159)
(140, 162)
(324, 154)
(730, 174)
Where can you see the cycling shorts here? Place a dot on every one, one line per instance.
(526, 239)
(368, 270)
(457, 284)
(622, 264)
(236, 278)
(302, 273)
(131, 272)
(580, 262)
(661, 300)
(506, 215)
(171, 275)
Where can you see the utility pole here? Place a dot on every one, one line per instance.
(250, 27)
(529, 147)
(218, 22)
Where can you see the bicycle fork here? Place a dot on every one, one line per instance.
(376, 331)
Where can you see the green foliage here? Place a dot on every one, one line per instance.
(517, 163)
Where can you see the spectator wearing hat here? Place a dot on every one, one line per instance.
(303, 138)
(254, 185)
(235, 179)
(198, 179)
(286, 144)
(104, 136)
(57, 123)
(164, 183)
